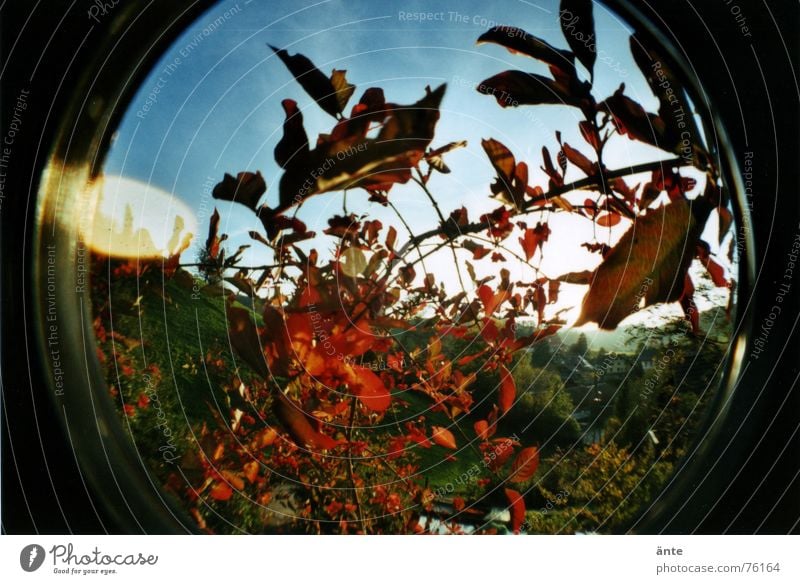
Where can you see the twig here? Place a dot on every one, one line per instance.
(350, 473)
(530, 204)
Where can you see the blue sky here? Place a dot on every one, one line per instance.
(219, 92)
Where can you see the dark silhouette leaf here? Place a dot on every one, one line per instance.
(577, 24)
(517, 40)
(674, 107)
(314, 81)
(515, 88)
(372, 164)
(294, 142)
(245, 189)
(632, 120)
(213, 240)
(512, 178)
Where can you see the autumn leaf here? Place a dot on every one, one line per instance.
(213, 240)
(515, 88)
(518, 41)
(646, 266)
(492, 300)
(443, 437)
(632, 120)
(517, 509)
(525, 465)
(577, 24)
(533, 238)
(314, 81)
(245, 189)
(579, 159)
(369, 388)
(672, 98)
(482, 429)
(608, 219)
(498, 452)
(374, 164)
(715, 271)
(294, 142)
(725, 222)
(507, 391)
(352, 262)
(245, 340)
(221, 491)
(434, 157)
(297, 422)
(251, 471)
(344, 90)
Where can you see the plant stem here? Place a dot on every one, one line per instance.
(350, 473)
(530, 204)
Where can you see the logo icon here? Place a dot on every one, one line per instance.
(31, 557)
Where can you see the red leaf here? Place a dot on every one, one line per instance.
(648, 262)
(578, 159)
(297, 423)
(717, 273)
(221, 491)
(608, 219)
(443, 437)
(498, 453)
(525, 465)
(491, 300)
(517, 509)
(529, 242)
(370, 389)
(482, 429)
(478, 251)
(589, 133)
(246, 189)
(552, 291)
(251, 471)
(508, 390)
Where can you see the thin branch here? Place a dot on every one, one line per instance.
(530, 204)
(351, 474)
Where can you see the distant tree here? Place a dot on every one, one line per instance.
(581, 345)
(545, 409)
(542, 354)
